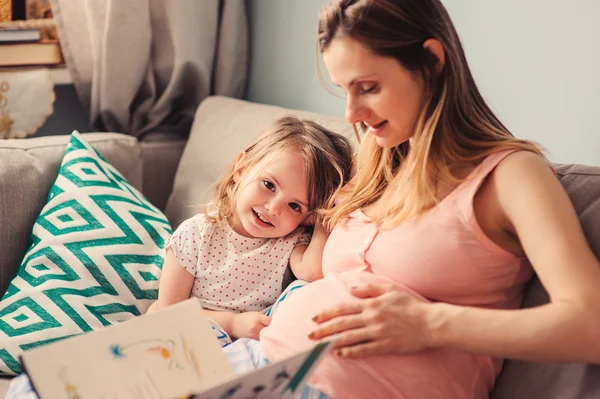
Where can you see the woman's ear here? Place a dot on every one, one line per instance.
(238, 167)
(435, 47)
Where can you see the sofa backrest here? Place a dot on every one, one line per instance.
(28, 168)
(222, 128)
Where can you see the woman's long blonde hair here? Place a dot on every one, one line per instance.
(455, 125)
(326, 159)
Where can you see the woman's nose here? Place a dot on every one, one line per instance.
(355, 112)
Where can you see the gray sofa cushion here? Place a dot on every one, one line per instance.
(521, 380)
(28, 169)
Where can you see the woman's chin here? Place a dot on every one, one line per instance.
(389, 139)
(388, 142)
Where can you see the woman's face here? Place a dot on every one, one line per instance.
(379, 91)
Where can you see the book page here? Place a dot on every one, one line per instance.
(165, 354)
(284, 379)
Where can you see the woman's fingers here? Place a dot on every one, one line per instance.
(350, 338)
(371, 290)
(343, 309)
(363, 349)
(337, 326)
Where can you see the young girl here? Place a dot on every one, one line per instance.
(233, 256)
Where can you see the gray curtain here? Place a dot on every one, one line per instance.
(142, 66)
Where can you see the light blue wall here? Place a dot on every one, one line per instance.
(537, 63)
(283, 55)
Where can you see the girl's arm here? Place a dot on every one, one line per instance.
(542, 217)
(305, 261)
(175, 283)
(223, 319)
(240, 325)
(176, 286)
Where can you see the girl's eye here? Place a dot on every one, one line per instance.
(296, 207)
(368, 89)
(270, 186)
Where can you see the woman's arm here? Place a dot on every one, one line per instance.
(543, 218)
(305, 261)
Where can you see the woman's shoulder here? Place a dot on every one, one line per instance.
(503, 170)
(510, 162)
(517, 173)
(523, 158)
(522, 165)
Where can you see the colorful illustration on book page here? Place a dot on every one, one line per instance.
(165, 352)
(70, 389)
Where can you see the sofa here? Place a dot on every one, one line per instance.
(177, 176)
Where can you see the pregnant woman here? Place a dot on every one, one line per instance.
(425, 267)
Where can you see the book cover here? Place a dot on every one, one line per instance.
(281, 380)
(167, 354)
(19, 35)
(45, 26)
(35, 53)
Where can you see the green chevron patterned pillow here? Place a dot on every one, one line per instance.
(94, 258)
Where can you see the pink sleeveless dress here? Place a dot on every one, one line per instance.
(441, 256)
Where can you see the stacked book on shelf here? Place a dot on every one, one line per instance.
(31, 41)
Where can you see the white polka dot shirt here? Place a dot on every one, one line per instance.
(233, 272)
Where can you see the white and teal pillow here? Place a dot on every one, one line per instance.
(94, 258)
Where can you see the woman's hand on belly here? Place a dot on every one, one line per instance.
(385, 320)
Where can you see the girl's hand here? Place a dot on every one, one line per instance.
(248, 324)
(386, 320)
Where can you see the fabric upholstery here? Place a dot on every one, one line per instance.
(160, 160)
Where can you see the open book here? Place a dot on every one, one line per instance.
(172, 353)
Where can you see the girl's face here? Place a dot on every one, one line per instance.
(379, 91)
(272, 200)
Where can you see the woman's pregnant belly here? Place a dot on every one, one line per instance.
(427, 374)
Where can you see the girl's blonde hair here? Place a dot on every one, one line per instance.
(455, 125)
(326, 159)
